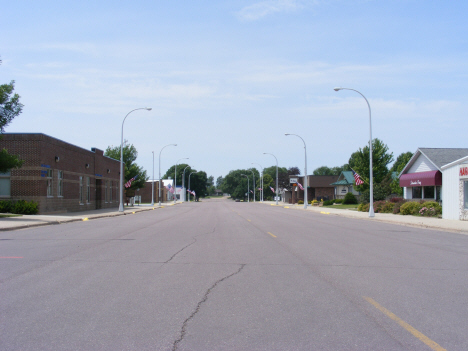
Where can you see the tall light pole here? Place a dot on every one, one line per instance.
(183, 183)
(253, 186)
(160, 182)
(266, 153)
(121, 207)
(189, 184)
(261, 175)
(305, 171)
(175, 178)
(152, 184)
(248, 186)
(371, 171)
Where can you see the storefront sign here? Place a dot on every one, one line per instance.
(463, 171)
(415, 182)
(292, 180)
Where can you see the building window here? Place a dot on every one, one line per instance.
(466, 194)
(429, 192)
(110, 191)
(106, 191)
(88, 190)
(81, 190)
(49, 182)
(60, 183)
(5, 184)
(417, 192)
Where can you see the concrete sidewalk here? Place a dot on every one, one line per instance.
(413, 221)
(27, 221)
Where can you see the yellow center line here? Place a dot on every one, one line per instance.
(274, 236)
(432, 344)
(249, 220)
(85, 219)
(286, 206)
(324, 212)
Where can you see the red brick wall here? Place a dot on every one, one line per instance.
(39, 153)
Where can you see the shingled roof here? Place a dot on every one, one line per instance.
(438, 156)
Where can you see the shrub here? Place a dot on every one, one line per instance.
(350, 199)
(6, 206)
(365, 207)
(300, 202)
(396, 207)
(338, 201)
(359, 208)
(378, 205)
(313, 202)
(388, 207)
(327, 202)
(410, 208)
(25, 207)
(433, 207)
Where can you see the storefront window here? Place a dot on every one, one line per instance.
(466, 194)
(428, 192)
(438, 193)
(5, 184)
(417, 192)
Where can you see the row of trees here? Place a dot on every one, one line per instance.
(236, 182)
(385, 180)
(199, 182)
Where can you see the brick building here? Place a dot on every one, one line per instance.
(60, 176)
(319, 187)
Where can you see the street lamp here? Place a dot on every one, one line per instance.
(248, 187)
(160, 182)
(305, 171)
(261, 192)
(266, 153)
(189, 184)
(253, 186)
(371, 204)
(175, 178)
(152, 184)
(121, 208)
(183, 183)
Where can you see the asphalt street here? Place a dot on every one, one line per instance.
(221, 275)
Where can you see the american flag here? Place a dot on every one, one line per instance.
(260, 189)
(357, 179)
(129, 183)
(300, 186)
(272, 189)
(170, 188)
(251, 191)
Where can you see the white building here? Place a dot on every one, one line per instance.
(455, 191)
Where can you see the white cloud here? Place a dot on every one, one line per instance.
(268, 7)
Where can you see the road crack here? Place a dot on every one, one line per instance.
(183, 331)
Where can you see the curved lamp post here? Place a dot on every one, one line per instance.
(121, 207)
(266, 153)
(183, 183)
(305, 171)
(160, 182)
(253, 185)
(248, 187)
(152, 184)
(189, 184)
(261, 168)
(371, 204)
(175, 178)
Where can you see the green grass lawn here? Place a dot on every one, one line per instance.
(341, 206)
(3, 215)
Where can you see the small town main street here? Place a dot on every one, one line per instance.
(221, 275)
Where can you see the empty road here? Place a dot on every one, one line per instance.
(221, 275)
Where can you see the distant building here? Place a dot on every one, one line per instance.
(318, 187)
(60, 176)
(344, 185)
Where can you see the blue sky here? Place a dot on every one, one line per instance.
(227, 79)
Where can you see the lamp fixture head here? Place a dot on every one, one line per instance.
(148, 108)
(337, 88)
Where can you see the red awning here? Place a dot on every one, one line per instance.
(430, 178)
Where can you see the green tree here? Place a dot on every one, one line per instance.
(198, 180)
(268, 182)
(359, 162)
(131, 169)
(397, 167)
(235, 183)
(219, 182)
(324, 170)
(10, 107)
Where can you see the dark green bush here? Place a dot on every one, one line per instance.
(25, 207)
(410, 208)
(379, 194)
(338, 201)
(328, 203)
(350, 199)
(300, 202)
(6, 206)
